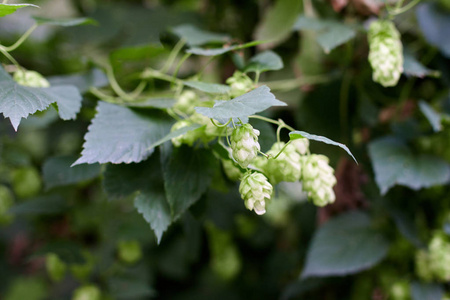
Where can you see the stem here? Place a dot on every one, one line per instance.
(220, 126)
(115, 85)
(278, 133)
(287, 85)
(138, 90)
(99, 94)
(399, 10)
(264, 119)
(257, 74)
(151, 73)
(173, 55)
(22, 38)
(182, 60)
(282, 149)
(8, 56)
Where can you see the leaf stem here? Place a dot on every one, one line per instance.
(22, 38)
(282, 149)
(115, 85)
(151, 73)
(220, 126)
(8, 56)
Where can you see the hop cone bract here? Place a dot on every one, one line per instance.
(386, 52)
(286, 167)
(244, 144)
(256, 191)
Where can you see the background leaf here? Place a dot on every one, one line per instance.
(127, 140)
(293, 135)
(197, 37)
(65, 22)
(82, 81)
(432, 116)
(43, 205)
(330, 34)
(277, 23)
(56, 171)
(412, 67)
(7, 9)
(394, 163)
(344, 245)
(187, 175)
(252, 102)
(426, 291)
(212, 88)
(220, 51)
(264, 61)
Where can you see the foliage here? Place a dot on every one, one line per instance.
(184, 149)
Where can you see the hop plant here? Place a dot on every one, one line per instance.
(206, 133)
(318, 179)
(256, 191)
(422, 265)
(301, 145)
(439, 255)
(386, 54)
(244, 144)
(286, 167)
(240, 84)
(186, 102)
(30, 78)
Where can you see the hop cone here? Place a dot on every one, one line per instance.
(286, 167)
(439, 255)
(186, 102)
(206, 133)
(256, 191)
(30, 78)
(422, 263)
(244, 144)
(386, 54)
(301, 145)
(240, 84)
(318, 179)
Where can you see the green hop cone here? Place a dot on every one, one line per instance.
(422, 266)
(186, 103)
(439, 256)
(30, 78)
(239, 84)
(386, 52)
(129, 251)
(56, 268)
(244, 144)
(301, 145)
(256, 191)
(286, 167)
(318, 179)
(87, 292)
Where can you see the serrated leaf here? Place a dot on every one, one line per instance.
(394, 163)
(82, 81)
(7, 9)
(432, 116)
(243, 106)
(293, 135)
(43, 205)
(344, 245)
(412, 67)
(277, 22)
(223, 50)
(434, 23)
(119, 134)
(212, 88)
(145, 181)
(17, 101)
(426, 291)
(197, 37)
(264, 61)
(330, 34)
(160, 103)
(187, 174)
(56, 171)
(65, 22)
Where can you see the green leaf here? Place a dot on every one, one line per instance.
(245, 105)
(17, 101)
(198, 37)
(139, 52)
(187, 175)
(277, 23)
(394, 163)
(330, 34)
(56, 171)
(432, 116)
(65, 22)
(344, 245)
(426, 291)
(412, 67)
(212, 88)
(119, 134)
(82, 81)
(264, 61)
(145, 181)
(219, 51)
(7, 9)
(43, 205)
(160, 103)
(293, 135)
